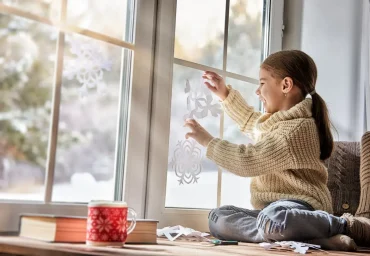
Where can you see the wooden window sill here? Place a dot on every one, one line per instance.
(12, 245)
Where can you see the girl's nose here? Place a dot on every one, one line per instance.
(258, 92)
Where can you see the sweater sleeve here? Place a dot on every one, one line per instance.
(270, 155)
(238, 109)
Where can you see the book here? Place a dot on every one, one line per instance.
(52, 228)
(145, 232)
(72, 229)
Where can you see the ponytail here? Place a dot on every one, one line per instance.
(321, 115)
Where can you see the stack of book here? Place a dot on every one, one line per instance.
(145, 232)
(70, 229)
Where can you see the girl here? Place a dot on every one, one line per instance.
(288, 187)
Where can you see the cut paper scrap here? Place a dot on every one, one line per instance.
(297, 247)
(174, 232)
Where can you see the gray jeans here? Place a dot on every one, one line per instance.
(283, 220)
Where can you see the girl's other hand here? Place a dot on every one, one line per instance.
(217, 85)
(198, 132)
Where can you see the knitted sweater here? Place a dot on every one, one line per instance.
(285, 161)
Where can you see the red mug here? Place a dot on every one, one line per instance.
(107, 223)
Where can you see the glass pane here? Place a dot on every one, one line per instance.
(46, 8)
(245, 37)
(235, 189)
(27, 53)
(88, 121)
(200, 31)
(98, 16)
(191, 177)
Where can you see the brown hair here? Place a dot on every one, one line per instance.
(302, 70)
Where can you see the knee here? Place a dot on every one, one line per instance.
(220, 211)
(216, 220)
(213, 216)
(272, 225)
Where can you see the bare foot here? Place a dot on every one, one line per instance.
(338, 243)
(358, 228)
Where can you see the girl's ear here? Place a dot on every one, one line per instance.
(287, 84)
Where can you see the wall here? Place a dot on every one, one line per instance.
(330, 32)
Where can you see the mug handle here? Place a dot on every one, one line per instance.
(133, 220)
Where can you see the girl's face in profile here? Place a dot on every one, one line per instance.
(270, 91)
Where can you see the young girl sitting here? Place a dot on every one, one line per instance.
(289, 185)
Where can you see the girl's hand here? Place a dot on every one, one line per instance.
(219, 87)
(198, 132)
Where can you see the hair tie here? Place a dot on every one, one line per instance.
(313, 92)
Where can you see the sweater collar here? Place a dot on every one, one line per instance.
(300, 110)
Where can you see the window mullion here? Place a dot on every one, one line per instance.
(58, 78)
(124, 103)
(222, 119)
(65, 27)
(223, 73)
(226, 36)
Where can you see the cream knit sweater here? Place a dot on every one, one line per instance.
(285, 161)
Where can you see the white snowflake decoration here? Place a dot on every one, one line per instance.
(121, 225)
(114, 236)
(103, 224)
(88, 66)
(186, 161)
(104, 237)
(199, 102)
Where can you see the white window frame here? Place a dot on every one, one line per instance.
(161, 111)
(132, 167)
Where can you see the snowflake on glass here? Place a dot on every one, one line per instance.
(186, 161)
(87, 66)
(199, 102)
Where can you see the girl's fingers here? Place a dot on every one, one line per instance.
(195, 122)
(211, 77)
(189, 125)
(192, 121)
(213, 73)
(211, 87)
(192, 124)
(189, 135)
(212, 80)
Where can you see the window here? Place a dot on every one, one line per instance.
(93, 98)
(68, 88)
(233, 46)
(231, 39)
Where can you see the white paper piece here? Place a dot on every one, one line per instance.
(187, 161)
(298, 247)
(301, 249)
(199, 102)
(268, 246)
(87, 66)
(172, 233)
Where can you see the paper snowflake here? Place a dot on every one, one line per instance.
(199, 102)
(88, 66)
(186, 161)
